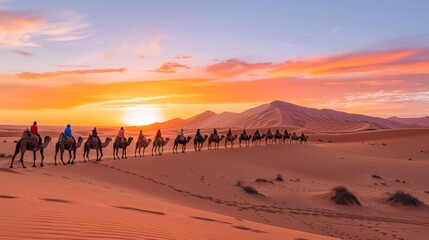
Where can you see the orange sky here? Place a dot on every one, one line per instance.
(96, 69)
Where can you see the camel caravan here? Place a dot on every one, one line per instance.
(32, 141)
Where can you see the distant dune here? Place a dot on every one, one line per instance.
(422, 121)
(283, 114)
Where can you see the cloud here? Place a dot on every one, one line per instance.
(170, 67)
(233, 67)
(32, 75)
(27, 29)
(23, 53)
(71, 66)
(185, 57)
(378, 62)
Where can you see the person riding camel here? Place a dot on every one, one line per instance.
(269, 134)
(214, 132)
(94, 134)
(229, 132)
(141, 135)
(257, 133)
(121, 135)
(68, 134)
(302, 136)
(285, 133)
(182, 135)
(198, 134)
(158, 134)
(35, 130)
(244, 133)
(277, 132)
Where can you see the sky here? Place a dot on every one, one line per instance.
(105, 62)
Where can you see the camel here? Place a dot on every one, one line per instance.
(216, 140)
(230, 138)
(199, 142)
(269, 138)
(303, 139)
(123, 145)
(142, 143)
(256, 139)
(92, 143)
(178, 141)
(31, 144)
(286, 135)
(244, 138)
(158, 144)
(70, 145)
(278, 136)
(294, 138)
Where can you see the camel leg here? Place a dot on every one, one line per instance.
(125, 150)
(43, 157)
(74, 155)
(101, 154)
(62, 152)
(14, 155)
(34, 158)
(144, 148)
(56, 152)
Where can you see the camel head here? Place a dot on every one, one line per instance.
(79, 142)
(188, 139)
(106, 143)
(149, 140)
(235, 137)
(221, 138)
(46, 142)
(205, 137)
(130, 139)
(166, 141)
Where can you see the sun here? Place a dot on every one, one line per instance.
(141, 116)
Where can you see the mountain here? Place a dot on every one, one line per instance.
(282, 114)
(422, 121)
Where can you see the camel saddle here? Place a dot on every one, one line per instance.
(181, 138)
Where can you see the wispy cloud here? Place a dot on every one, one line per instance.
(27, 29)
(170, 67)
(22, 53)
(234, 67)
(184, 57)
(32, 75)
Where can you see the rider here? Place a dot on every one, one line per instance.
(182, 134)
(141, 136)
(229, 132)
(269, 134)
(277, 132)
(198, 134)
(94, 134)
(121, 135)
(214, 132)
(158, 133)
(286, 133)
(35, 130)
(257, 133)
(68, 133)
(244, 133)
(302, 136)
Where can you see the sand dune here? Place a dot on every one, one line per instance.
(282, 114)
(422, 121)
(195, 196)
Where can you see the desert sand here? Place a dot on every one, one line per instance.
(195, 195)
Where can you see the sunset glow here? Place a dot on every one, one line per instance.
(109, 63)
